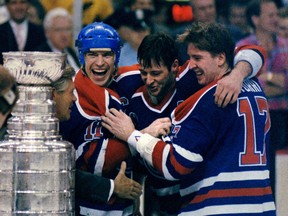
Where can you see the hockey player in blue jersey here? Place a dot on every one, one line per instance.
(218, 155)
(97, 152)
(166, 85)
(99, 50)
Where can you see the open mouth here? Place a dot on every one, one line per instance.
(198, 73)
(152, 89)
(99, 73)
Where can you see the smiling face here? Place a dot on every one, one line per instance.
(99, 66)
(158, 80)
(206, 67)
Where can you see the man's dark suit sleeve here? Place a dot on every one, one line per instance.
(91, 187)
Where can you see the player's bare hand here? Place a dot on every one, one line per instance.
(159, 127)
(118, 123)
(228, 89)
(125, 187)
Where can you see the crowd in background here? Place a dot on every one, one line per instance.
(48, 26)
(156, 15)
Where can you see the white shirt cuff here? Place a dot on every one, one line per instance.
(144, 144)
(133, 139)
(111, 189)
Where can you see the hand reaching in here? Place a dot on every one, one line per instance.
(118, 123)
(121, 125)
(159, 127)
(125, 187)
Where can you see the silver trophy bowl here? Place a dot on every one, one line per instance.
(35, 68)
(37, 167)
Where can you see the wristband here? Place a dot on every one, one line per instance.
(143, 143)
(145, 147)
(133, 138)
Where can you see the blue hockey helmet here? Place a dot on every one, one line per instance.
(98, 35)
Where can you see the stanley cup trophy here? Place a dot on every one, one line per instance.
(37, 167)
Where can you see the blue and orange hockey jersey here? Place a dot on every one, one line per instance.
(97, 151)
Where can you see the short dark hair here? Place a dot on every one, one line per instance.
(254, 9)
(213, 38)
(157, 48)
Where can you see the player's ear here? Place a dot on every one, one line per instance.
(221, 59)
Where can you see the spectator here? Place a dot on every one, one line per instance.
(8, 97)
(132, 28)
(201, 136)
(283, 22)
(237, 21)
(36, 12)
(203, 11)
(92, 10)
(206, 11)
(19, 34)
(58, 28)
(153, 12)
(263, 17)
(160, 17)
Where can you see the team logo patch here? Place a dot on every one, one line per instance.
(124, 101)
(137, 138)
(175, 130)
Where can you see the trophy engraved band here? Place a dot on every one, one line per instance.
(37, 167)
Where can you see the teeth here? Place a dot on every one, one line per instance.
(99, 73)
(198, 73)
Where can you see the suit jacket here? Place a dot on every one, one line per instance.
(8, 41)
(44, 47)
(91, 187)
